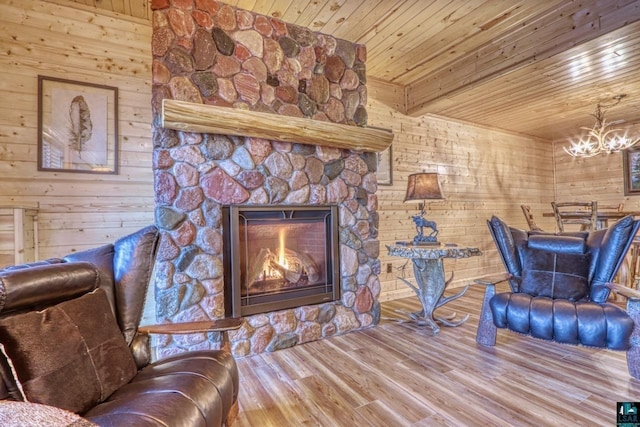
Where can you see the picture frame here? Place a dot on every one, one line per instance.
(77, 126)
(631, 168)
(385, 166)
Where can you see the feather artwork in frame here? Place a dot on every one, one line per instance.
(77, 126)
(80, 126)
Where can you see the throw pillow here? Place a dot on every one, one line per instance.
(71, 355)
(555, 275)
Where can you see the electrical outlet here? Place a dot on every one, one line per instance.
(389, 267)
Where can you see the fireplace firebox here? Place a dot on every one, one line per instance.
(279, 257)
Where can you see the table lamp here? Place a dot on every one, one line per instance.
(424, 186)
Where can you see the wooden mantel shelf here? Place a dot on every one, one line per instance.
(202, 118)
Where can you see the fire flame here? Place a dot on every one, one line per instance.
(281, 259)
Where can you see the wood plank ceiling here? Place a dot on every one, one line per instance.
(534, 67)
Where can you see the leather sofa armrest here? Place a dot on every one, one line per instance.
(221, 325)
(45, 285)
(141, 349)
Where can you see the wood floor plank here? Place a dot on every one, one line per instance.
(383, 414)
(259, 404)
(329, 403)
(386, 387)
(340, 378)
(401, 374)
(289, 364)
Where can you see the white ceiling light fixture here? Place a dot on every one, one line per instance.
(601, 138)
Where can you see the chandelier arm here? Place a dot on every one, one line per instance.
(584, 155)
(605, 134)
(605, 107)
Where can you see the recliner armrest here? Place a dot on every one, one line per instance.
(624, 291)
(203, 326)
(141, 349)
(220, 325)
(493, 280)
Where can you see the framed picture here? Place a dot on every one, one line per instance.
(385, 167)
(77, 126)
(631, 167)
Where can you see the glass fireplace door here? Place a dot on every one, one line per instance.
(281, 257)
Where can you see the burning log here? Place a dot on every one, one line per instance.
(289, 275)
(310, 267)
(294, 267)
(263, 258)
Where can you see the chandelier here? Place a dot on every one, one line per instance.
(602, 138)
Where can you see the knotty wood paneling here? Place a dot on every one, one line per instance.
(65, 40)
(482, 172)
(598, 178)
(136, 8)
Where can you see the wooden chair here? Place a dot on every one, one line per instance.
(528, 215)
(634, 266)
(584, 214)
(604, 223)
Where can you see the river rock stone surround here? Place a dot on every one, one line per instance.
(208, 52)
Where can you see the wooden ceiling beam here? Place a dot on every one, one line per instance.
(549, 34)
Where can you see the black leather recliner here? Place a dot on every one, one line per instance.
(560, 284)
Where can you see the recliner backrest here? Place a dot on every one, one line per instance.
(614, 246)
(126, 267)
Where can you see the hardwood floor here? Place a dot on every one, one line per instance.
(397, 374)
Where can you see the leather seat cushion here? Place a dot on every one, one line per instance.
(184, 381)
(585, 323)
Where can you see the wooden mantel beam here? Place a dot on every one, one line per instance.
(202, 118)
(549, 34)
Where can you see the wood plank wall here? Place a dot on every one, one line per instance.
(598, 178)
(71, 41)
(482, 172)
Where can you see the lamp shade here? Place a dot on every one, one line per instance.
(421, 186)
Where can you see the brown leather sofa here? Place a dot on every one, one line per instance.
(69, 339)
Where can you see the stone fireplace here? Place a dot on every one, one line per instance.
(210, 53)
